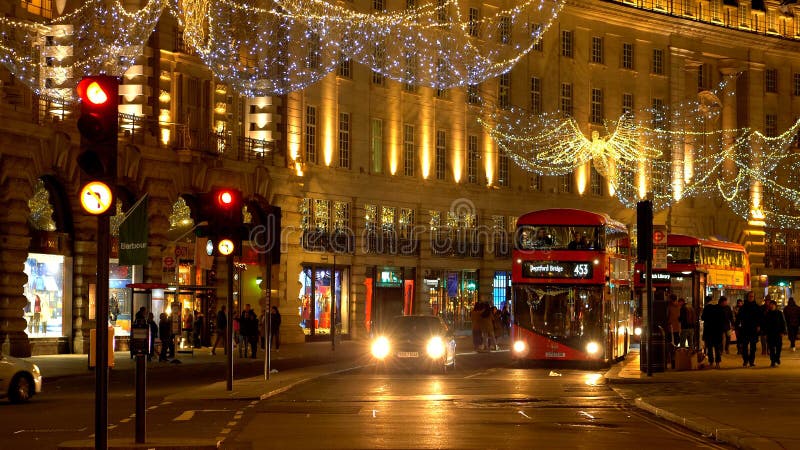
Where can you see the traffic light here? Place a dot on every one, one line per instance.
(99, 127)
(221, 208)
(644, 230)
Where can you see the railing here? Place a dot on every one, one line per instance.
(782, 249)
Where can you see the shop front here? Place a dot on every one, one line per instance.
(390, 293)
(324, 300)
(451, 295)
(48, 312)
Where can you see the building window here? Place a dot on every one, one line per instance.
(596, 182)
(627, 103)
(410, 73)
(341, 216)
(379, 53)
(322, 215)
(771, 80)
(441, 154)
(313, 58)
(505, 30)
(565, 183)
(703, 75)
(411, 4)
(771, 125)
(441, 14)
(408, 151)
(370, 217)
(596, 115)
(474, 18)
(378, 5)
(688, 8)
(387, 218)
(536, 95)
(311, 134)
(772, 21)
(345, 69)
(504, 90)
(535, 182)
(566, 43)
(536, 35)
(796, 84)
(715, 9)
(344, 140)
(744, 14)
(501, 290)
(566, 99)
(627, 55)
(377, 146)
(659, 119)
(658, 61)
(597, 50)
(473, 94)
(472, 159)
(502, 169)
(406, 223)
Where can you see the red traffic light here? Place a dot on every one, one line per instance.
(91, 91)
(225, 198)
(98, 125)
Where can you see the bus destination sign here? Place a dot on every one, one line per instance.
(557, 269)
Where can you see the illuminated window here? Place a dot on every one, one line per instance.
(345, 69)
(627, 103)
(473, 94)
(474, 18)
(505, 30)
(409, 157)
(627, 55)
(596, 115)
(536, 95)
(311, 134)
(536, 34)
(502, 169)
(771, 125)
(504, 90)
(597, 50)
(472, 159)
(344, 140)
(379, 53)
(659, 112)
(441, 154)
(566, 43)
(771, 80)
(566, 99)
(658, 62)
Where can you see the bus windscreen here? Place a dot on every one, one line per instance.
(563, 313)
(533, 237)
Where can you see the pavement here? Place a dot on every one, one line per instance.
(749, 408)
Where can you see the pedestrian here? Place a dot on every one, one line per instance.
(475, 318)
(197, 329)
(713, 329)
(688, 319)
(736, 328)
(728, 325)
(221, 330)
(774, 328)
(791, 313)
(489, 342)
(248, 328)
(167, 341)
(151, 324)
(674, 320)
(497, 324)
(275, 327)
(764, 309)
(749, 322)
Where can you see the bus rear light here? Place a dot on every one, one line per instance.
(637, 331)
(520, 347)
(592, 348)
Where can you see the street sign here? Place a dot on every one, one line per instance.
(168, 262)
(659, 247)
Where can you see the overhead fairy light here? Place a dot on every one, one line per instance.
(752, 172)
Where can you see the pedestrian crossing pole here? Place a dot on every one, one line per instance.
(229, 330)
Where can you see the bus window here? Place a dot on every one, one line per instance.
(557, 237)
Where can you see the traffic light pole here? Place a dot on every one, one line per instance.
(229, 331)
(101, 341)
(268, 325)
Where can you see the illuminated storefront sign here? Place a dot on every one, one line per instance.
(557, 269)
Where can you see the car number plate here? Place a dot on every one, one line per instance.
(407, 354)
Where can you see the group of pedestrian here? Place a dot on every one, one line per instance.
(488, 325)
(681, 319)
(249, 330)
(766, 322)
(162, 330)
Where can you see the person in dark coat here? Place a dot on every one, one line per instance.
(764, 309)
(739, 341)
(248, 328)
(749, 322)
(774, 328)
(221, 329)
(713, 328)
(726, 309)
(275, 327)
(791, 313)
(167, 341)
(151, 323)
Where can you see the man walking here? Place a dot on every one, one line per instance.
(221, 330)
(728, 325)
(749, 322)
(713, 328)
(791, 313)
(774, 329)
(248, 326)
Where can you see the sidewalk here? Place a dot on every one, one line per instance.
(750, 408)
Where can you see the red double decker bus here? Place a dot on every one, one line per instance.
(697, 268)
(571, 280)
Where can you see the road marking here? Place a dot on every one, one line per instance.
(187, 415)
(132, 416)
(164, 403)
(152, 408)
(225, 431)
(585, 414)
(232, 423)
(111, 427)
(126, 420)
(524, 415)
(374, 413)
(51, 430)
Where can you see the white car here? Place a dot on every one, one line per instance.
(19, 379)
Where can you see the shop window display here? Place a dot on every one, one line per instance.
(119, 302)
(45, 293)
(316, 294)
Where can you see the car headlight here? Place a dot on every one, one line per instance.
(520, 347)
(435, 347)
(637, 331)
(36, 370)
(592, 348)
(380, 348)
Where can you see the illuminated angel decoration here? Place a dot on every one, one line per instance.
(553, 145)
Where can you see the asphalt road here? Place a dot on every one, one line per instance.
(486, 402)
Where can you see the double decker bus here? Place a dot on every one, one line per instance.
(697, 268)
(571, 281)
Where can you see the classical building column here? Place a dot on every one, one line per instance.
(84, 275)
(158, 210)
(14, 242)
(681, 71)
(730, 73)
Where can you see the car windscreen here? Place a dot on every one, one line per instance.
(416, 326)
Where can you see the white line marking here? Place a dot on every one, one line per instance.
(225, 431)
(232, 423)
(152, 408)
(524, 415)
(186, 415)
(126, 420)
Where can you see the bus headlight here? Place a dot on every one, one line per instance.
(435, 347)
(592, 348)
(520, 347)
(637, 331)
(380, 348)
